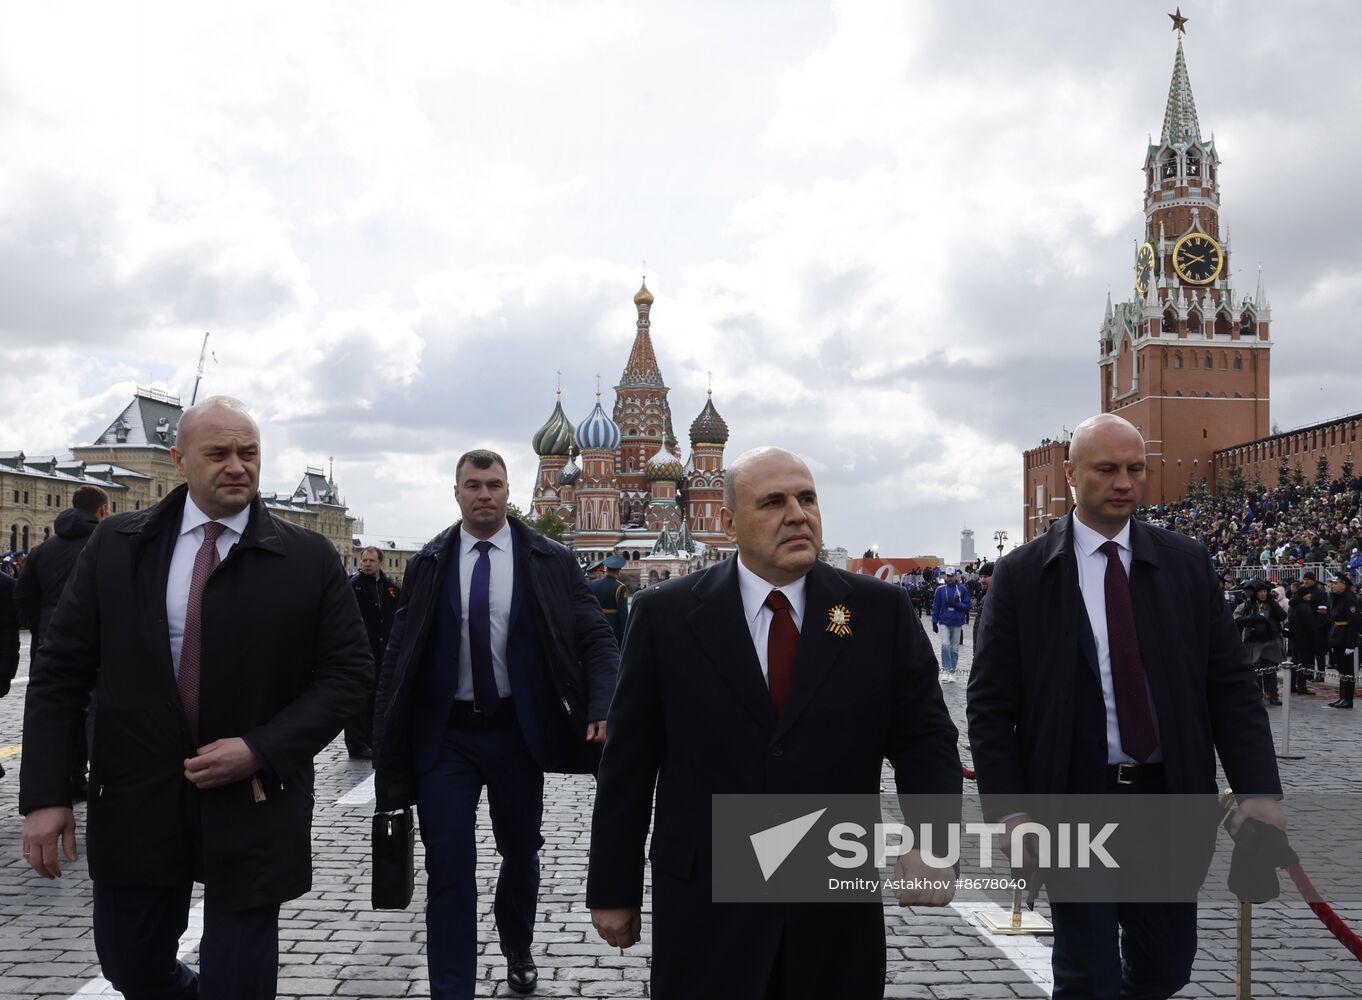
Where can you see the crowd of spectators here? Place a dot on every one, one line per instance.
(1299, 522)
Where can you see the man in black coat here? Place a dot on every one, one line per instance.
(9, 638)
(500, 667)
(377, 597)
(1108, 664)
(44, 578)
(734, 680)
(49, 565)
(1308, 606)
(1342, 637)
(225, 651)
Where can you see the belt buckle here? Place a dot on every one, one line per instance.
(1125, 774)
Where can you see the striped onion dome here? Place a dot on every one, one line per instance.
(597, 432)
(663, 467)
(555, 437)
(570, 473)
(709, 427)
(643, 297)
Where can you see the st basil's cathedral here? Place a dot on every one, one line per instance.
(618, 482)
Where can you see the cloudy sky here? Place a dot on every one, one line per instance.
(887, 228)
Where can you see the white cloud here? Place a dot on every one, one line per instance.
(886, 228)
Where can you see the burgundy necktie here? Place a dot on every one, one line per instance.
(782, 643)
(1127, 669)
(205, 561)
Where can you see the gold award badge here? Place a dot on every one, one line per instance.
(839, 620)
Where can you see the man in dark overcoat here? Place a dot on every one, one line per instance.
(500, 667)
(734, 680)
(225, 651)
(377, 597)
(1108, 664)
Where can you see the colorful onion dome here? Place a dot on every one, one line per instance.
(663, 467)
(555, 437)
(643, 297)
(709, 427)
(570, 473)
(597, 432)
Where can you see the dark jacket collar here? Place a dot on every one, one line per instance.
(439, 546)
(261, 530)
(1144, 543)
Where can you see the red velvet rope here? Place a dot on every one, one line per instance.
(1345, 934)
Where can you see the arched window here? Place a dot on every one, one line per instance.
(1238, 395)
(1224, 326)
(1238, 361)
(1207, 393)
(1193, 324)
(1170, 321)
(1178, 393)
(1177, 360)
(1246, 325)
(1193, 162)
(1207, 363)
(1170, 164)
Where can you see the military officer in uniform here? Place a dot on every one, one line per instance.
(613, 595)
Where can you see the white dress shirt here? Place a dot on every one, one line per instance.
(182, 565)
(500, 588)
(1092, 583)
(754, 590)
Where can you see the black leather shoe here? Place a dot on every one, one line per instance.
(521, 975)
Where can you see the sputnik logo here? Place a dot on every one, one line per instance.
(773, 845)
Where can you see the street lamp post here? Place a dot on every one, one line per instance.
(1000, 536)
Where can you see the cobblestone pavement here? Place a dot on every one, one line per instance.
(333, 944)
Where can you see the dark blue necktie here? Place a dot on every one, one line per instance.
(485, 695)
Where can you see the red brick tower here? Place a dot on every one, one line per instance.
(705, 474)
(642, 414)
(1183, 360)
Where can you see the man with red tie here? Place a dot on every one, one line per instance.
(225, 651)
(1107, 663)
(734, 680)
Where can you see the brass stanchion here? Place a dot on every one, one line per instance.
(1016, 920)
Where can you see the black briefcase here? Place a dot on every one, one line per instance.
(394, 838)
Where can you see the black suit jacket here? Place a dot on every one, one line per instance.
(692, 717)
(285, 665)
(1024, 693)
(571, 686)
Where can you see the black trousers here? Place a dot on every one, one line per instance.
(137, 933)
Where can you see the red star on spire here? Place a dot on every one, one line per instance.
(1179, 22)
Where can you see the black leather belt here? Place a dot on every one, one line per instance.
(1129, 774)
(465, 715)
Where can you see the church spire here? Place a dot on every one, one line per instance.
(1180, 125)
(642, 369)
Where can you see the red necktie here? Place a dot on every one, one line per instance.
(782, 643)
(205, 561)
(1133, 716)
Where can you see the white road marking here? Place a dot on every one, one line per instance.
(189, 942)
(193, 933)
(361, 795)
(1029, 954)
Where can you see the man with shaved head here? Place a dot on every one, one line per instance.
(1108, 664)
(225, 651)
(771, 672)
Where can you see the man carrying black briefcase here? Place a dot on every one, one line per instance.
(500, 667)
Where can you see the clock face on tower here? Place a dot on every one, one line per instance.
(1197, 259)
(1144, 267)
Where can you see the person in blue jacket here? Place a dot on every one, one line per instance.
(950, 607)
